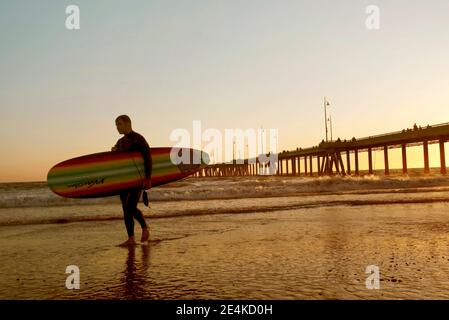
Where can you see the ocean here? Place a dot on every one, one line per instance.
(35, 203)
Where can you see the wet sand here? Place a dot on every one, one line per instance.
(315, 253)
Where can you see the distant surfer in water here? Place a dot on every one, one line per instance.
(132, 141)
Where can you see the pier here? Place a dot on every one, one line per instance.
(334, 157)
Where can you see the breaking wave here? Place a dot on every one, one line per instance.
(37, 194)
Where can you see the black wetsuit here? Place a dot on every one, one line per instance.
(130, 198)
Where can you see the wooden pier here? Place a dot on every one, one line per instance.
(329, 156)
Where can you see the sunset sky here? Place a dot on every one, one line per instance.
(230, 64)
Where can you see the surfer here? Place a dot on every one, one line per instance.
(132, 141)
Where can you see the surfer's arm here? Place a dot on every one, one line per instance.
(145, 151)
(139, 143)
(147, 161)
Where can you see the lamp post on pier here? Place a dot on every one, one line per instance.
(326, 103)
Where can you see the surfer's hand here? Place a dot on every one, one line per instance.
(114, 148)
(147, 184)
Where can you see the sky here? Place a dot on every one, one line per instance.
(227, 63)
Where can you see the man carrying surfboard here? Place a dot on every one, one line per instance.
(132, 141)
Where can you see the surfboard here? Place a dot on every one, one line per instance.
(108, 173)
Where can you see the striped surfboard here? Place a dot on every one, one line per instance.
(108, 173)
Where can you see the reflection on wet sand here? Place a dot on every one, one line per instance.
(135, 274)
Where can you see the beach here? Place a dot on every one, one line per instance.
(279, 247)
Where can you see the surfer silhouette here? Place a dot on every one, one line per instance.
(132, 141)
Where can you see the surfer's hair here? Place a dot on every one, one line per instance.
(123, 118)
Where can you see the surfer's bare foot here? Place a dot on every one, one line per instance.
(145, 235)
(130, 242)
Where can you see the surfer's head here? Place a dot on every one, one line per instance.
(123, 124)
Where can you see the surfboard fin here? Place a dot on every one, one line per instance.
(145, 198)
